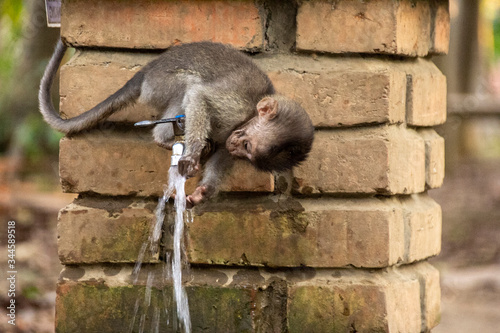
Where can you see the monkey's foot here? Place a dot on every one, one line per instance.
(198, 196)
(167, 145)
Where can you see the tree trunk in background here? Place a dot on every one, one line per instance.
(38, 44)
(21, 97)
(462, 67)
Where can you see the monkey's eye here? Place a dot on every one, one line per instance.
(247, 146)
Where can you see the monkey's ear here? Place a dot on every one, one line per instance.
(267, 107)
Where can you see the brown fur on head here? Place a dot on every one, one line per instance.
(279, 138)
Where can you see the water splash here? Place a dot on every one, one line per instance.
(173, 263)
(181, 299)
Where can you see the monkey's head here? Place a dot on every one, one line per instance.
(277, 139)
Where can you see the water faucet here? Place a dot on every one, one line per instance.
(179, 146)
(177, 151)
(179, 124)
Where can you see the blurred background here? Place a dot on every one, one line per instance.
(470, 197)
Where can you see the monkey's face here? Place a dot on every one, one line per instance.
(277, 139)
(251, 140)
(247, 141)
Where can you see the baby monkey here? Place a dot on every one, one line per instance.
(226, 99)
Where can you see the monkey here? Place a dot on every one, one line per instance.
(225, 97)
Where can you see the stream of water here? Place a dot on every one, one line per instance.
(172, 271)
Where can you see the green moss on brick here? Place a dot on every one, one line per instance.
(215, 309)
(353, 308)
(94, 307)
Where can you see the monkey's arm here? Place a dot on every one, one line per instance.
(215, 168)
(196, 132)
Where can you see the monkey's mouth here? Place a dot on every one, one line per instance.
(231, 141)
(233, 146)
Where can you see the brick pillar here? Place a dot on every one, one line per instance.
(337, 245)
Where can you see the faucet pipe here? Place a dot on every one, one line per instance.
(177, 120)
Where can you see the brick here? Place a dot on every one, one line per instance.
(430, 292)
(111, 164)
(315, 232)
(160, 24)
(243, 177)
(390, 27)
(259, 232)
(434, 158)
(426, 94)
(334, 91)
(337, 302)
(423, 220)
(105, 230)
(440, 29)
(130, 163)
(91, 76)
(413, 27)
(384, 160)
(102, 299)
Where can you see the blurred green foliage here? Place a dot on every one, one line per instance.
(11, 26)
(29, 134)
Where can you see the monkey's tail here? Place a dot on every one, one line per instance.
(123, 97)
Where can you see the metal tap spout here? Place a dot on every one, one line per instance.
(177, 151)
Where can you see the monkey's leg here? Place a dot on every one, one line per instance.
(163, 134)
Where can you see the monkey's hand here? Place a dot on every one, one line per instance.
(167, 145)
(199, 194)
(189, 165)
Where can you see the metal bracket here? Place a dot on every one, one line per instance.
(53, 10)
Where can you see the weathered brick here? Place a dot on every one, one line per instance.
(412, 26)
(430, 293)
(105, 230)
(426, 94)
(440, 31)
(159, 24)
(422, 227)
(386, 160)
(338, 302)
(315, 233)
(334, 91)
(243, 177)
(340, 91)
(102, 298)
(130, 163)
(393, 27)
(434, 158)
(259, 232)
(112, 164)
(329, 233)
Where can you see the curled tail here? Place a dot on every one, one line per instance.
(124, 96)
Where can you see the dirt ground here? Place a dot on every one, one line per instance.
(469, 262)
(37, 263)
(470, 258)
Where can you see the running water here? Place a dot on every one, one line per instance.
(173, 264)
(180, 206)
